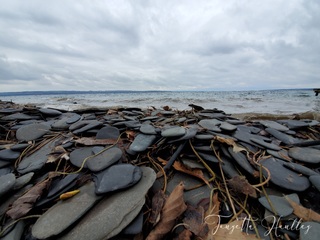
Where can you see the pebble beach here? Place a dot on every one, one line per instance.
(157, 173)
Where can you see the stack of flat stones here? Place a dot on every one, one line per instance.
(105, 154)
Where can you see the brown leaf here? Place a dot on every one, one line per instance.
(172, 209)
(231, 231)
(231, 142)
(24, 204)
(304, 213)
(194, 172)
(184, 235)
(91, 142)
(194, 221)
(240, 184)
(158, 201)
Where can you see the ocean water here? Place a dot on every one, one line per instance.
(234, 102)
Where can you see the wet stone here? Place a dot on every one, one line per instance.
(79, 155)
(32, 131)
(50, 112)
(108, 132)
(6, 183)
(4, 163)
(117, 177)
(315, 180)
(142, 142)
(9, 155)
(114, 212)
(300, 169)
(308, 155)
(173, 132)
(284, 177)
(104, 159)
(281, 206)
(55, 220)
(37, 160)
(274, 125)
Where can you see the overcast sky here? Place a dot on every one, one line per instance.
(159, 45)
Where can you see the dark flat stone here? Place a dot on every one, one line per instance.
(59, 186)
(242, 160)
(108, 132)
(142, 142)
(114, 213)
(50, 112)
(210, 124)
(227, 126)
(266, 144)
(315, 180)
(135, 226)
(228, 168)
(83, 126)
(117, 177)
(23, 180)
(285, 138)
(274, 125)
(32, 131)
(19, 146)
(4, 163)
(19, 116)
(104, 159)
(36, 160)
(294, 124)
(16, 232)
(6, 183)
(283, 177)
(9, 155)
(282, 154)
(280, 204)
(308, 155)
(64, 213)
(310, 231)
(190, 133)
(147, 128)
(79, 155)
(300, 169)
(173, 132)
(209, 157)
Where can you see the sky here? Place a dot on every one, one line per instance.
(159, 45)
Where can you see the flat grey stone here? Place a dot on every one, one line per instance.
(242, 160)
(282, 154)
(190, 133)
(23, 180)
(114, 213)
(285, 138)
(6, 183)
(284, 177)
(50, 112)
(306, 154)
(266, 144)
(300, 169)
(83, 126)
(117, 177)
(19, 147)
(228, 126)
(294, 124)
(280, 204)
(309, 231)
(79, 155)
(36, 160)
(245, 136)
(173, 132)
(61, 124)
(104, 159)
(135, 226)
(210, 157)
(73, 118)
(228, 167)
(147, 128)
(16, 232)
(64, 213)
(4, 163)
(19, 116)
(274, 125)
(142, 142)
(191, 163)
(32, 131)
(61, 185)
(315, 180)
(9, 155)
(108, 132)
(210, 124)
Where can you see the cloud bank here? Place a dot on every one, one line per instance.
(159, 45)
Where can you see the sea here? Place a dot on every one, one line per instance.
(282, 101)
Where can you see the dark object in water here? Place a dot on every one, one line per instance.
(317, 91)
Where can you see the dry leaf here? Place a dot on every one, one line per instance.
(231, 231)
(184, 235)
(194, 221)
(232, 143)
(92, 142)
(158, 201)
(304, 213)
(172, 209)
(212, 218)
(240, 184)
(194, 172)
(68, 195)
(24, 204)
